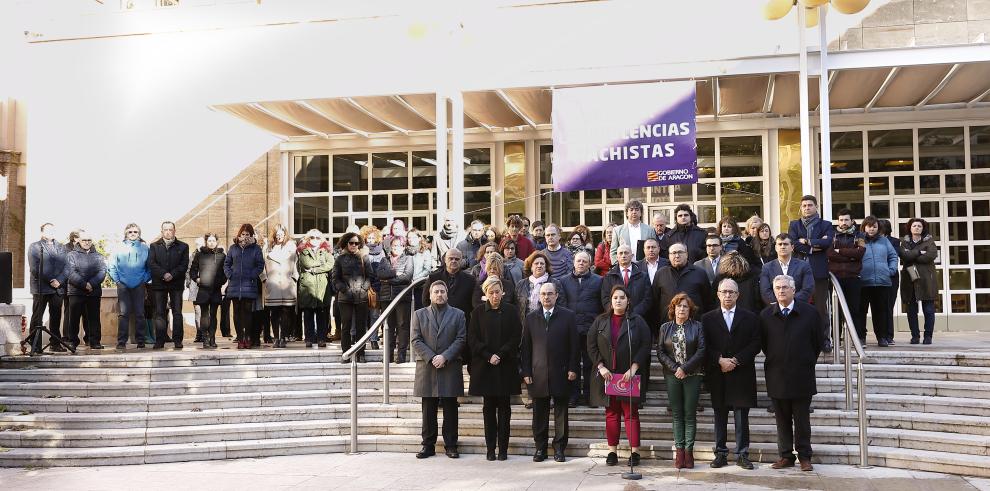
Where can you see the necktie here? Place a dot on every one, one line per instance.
(546, 315)
(625, 277)
(728, 319)
(785, 311)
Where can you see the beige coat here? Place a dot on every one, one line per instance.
(280, 275)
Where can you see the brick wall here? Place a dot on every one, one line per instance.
(903, 23)
(12, 233)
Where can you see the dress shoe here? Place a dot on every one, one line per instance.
(743, 461)
(178, 345)
(96, 346)
(491, 455)
(452, 453)
(308, 344)
(634, 459)
(770, 409)
(827, 346)
(689, 458)
(783, 463)
(425, 453)
(915, 340)
(321, 345)
(806, 465)
(679, 458)
(213, 343)
(268, 340)
(890, 342)
(140, 346)
(882, 343)
(559, 457)
(503, 455)
(540, 455)
(121, 347)
(927, 340)
(720, 461)
(612, 459)
(57, 348)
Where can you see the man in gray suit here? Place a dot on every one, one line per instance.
(438, 336)
(713, 249)
(632, 233)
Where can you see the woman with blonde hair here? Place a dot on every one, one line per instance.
(280, 278)
(495, 268)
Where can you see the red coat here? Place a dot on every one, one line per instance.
(603, 258)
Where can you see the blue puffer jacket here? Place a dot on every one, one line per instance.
(48, 261)
(86, 267)
(128, 264)
(243, 266)
(583, 297)
(879, 262)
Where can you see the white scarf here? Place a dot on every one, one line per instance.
(534, 292)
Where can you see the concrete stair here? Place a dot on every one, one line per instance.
(927, 410)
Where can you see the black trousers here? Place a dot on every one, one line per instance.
(208, 321)
(356, 315)
(430, 405)
(497, 413)
(874, 297)
(67, 320)
(741, 417)
(582, 385)
(822, 291)
(53, 302)
(852, 291)
(243, 317)
(895, 284)
(281, 319)
(316, 324)
(793, 427)
(166, 300)
(541, 422)
(398, 323)
(225, 317)
(88, 308)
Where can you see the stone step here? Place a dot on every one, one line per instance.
(963, 464)
(592, 429)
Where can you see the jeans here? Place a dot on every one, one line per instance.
(928, 308)
(316, 324)
(53, 302)
(131, 302)
(682, 399)
(164, 301)
(741, 417)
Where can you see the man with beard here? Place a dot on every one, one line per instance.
(845, 259)
(632, 233)
(812, 237)
(686, 231)
(447, 238)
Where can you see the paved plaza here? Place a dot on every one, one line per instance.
(395, 471)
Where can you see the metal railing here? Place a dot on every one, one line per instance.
(386, 354)
(851, 340)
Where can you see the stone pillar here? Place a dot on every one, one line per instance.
(12, 214)
(10, 329)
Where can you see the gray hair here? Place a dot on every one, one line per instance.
(583, 253)
(786, 279)
(728, 280)
(438, 282)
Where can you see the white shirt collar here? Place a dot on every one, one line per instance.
(788, 306)
(545, 311)
(732, 311)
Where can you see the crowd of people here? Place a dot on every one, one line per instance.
(523, 307)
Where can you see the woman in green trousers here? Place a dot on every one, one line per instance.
(681, 350)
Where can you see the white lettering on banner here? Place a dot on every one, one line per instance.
(655, 150)
(658, 130)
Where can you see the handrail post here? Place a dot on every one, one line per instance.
(386, 354)
(847, 366)
(836, 324)
(354, 403)
(864, 457)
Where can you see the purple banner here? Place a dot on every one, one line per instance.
(621, 136)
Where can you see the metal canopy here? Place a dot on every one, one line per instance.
(901, 88)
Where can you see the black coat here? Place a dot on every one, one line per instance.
(174, 260)
(691, 236)
(206, 270)
(47, 261)
(791, 346)
(494, 332)
(640, 292)
(460, 289)
(549, 351)
(694, 344)
(657, 314)
(736, 388)
(86, 267)
(394, 278)
(633, 345)
(352, 276)
(583, 296)
(691, 280)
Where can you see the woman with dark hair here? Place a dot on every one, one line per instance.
(728, 231)
(681, 351)
(494, 336)
(485, 251)
(243, 265)
(395, 273)
(762, 243)
(735, 267)
(879, 264)
(281, 278)
(514, 266)
(375, 252)
(578, 242)
(352, 275)
(536, 230)
(918, 253)
(603, 257)
(618, 342)
(886, 229)
(206, 270)
(314, 293)
(538, 271)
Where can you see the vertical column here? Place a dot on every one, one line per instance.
(824, 116)
(457, 154)
(441, 144)
(807, 169)
(284, 206)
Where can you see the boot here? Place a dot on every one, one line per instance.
(679, 458)
(689, 458)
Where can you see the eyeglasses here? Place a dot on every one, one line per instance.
(85, 240)
(728, 292)
(353, 243)
(713, 245)
(677, 253)
(133, 232)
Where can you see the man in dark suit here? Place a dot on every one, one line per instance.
(732, 340)
(626, 272)
(713, 249)
(812, 238)
(786, 264)
(682, 277)
(549, 362)
(792, 340)
(439, 334)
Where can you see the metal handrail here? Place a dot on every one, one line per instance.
(386, 354)
(851, 340)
